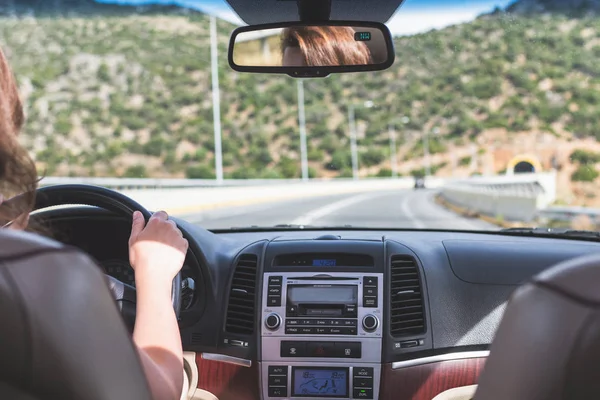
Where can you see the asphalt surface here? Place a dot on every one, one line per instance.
(390, 209)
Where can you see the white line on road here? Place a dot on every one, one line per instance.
(409, 214)
(318, 213)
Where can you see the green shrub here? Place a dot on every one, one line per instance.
(136, 171)
(63, 125)
(585, 173)
(155, 146)
(243, 173)
(103, 73)
(465, 161)
(289, 168)
(585, 157)
(371, 157)
(340, 160)
(315, 155)
(384, 173)
(133, 122)
(484, 87)
(199, 172)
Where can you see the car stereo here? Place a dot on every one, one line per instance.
(332, 304)
(321, 333)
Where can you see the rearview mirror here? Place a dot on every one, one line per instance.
(311, 50)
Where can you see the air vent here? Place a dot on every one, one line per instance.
(197, 338)
(240, 311)
(407, 309)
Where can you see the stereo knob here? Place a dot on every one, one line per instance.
(370, 323)
(273, 321)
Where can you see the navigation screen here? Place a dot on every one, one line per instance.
(320, 382)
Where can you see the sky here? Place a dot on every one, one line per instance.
(415, 16)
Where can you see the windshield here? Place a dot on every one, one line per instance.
(488, 118)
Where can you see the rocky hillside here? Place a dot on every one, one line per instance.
(568, 7)
(125, 91)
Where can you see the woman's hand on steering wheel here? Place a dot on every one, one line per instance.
(157, 250)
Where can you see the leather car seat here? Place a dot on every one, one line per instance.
(547, 346)
(61, 335)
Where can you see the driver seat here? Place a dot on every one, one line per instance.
(61, 334)
(548, 344)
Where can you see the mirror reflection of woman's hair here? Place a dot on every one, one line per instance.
(323, 46)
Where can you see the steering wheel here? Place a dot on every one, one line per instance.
(119, 204)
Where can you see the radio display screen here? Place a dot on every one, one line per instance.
(324, 294)
(320, 382)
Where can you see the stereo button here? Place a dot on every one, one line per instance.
(292, 329)
(370, 323)
(274, 290)
(322, 331)
(274, 301)
(273, 321)
(370, 301)
(291, 311)
(368, 291)
(275, 280)
(350, 311)
(307, 330)
(370, 281)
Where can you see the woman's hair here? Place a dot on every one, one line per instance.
(327, 45)
(18, 173)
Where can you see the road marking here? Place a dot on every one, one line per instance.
(409, 214)
(318, 213)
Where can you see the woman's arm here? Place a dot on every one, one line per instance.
(157, 252)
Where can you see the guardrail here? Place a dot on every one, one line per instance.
(148, 183)
(512, 198)
(568, 214)
(188, 197)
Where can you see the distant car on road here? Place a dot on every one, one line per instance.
(419, 182)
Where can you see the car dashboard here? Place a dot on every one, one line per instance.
(334, 314)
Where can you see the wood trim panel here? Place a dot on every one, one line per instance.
(228, 381)
(424, 382)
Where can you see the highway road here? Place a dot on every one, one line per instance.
(379, 209)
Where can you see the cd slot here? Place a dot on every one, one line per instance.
(321, 278)
(321, 310)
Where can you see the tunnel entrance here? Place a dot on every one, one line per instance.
(524, 167)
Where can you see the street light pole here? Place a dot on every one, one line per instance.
(393, 155)
(216, 99)
(426, 154)
(302, 123)
(353, 146)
